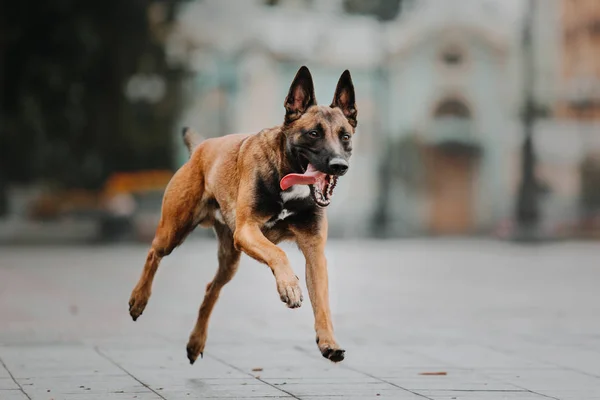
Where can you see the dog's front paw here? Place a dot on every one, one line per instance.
(290, 292)
(331, 351)
(137, 302)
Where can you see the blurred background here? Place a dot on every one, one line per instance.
(477, 118)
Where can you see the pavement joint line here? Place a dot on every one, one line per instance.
(539, 394)
(538, 360)
(480, 390)
(97, 350)
(556, 365)
(253, 376)
(306, 353)
(238, 369)
(14, 380)
(524, 389)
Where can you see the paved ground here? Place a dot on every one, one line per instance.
(501, 321)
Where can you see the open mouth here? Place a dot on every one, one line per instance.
(321, 184)
(322, 190)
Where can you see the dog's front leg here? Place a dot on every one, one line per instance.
(249, 239)
(312, 245)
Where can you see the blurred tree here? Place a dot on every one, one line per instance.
(64, 67)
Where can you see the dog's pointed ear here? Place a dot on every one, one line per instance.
(344, 98)
(301, 95)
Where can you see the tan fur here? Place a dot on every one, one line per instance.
(220, 178)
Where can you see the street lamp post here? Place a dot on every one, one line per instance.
(527, 210)
(381, 215)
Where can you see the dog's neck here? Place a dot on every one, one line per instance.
(288, 159)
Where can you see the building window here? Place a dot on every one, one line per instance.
(452, 56)
(452, 108)
(383, 10)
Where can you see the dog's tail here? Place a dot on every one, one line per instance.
(191, 139)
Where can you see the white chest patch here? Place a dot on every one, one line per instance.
(282, 215)
(295, 192)
(219, 216)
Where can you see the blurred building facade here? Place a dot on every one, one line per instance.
(580, 67)
(578, 108)
(439, 90)
(447, 104)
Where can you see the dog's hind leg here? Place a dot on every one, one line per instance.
(229, 259)
(180, 214)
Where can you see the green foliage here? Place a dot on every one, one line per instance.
(64, 118)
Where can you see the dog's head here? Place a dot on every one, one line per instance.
(318, 138)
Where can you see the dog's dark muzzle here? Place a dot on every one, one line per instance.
(338, 166)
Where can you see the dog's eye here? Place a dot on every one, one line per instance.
(313, 134)
(345, 137)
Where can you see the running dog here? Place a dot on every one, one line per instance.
(256, 190)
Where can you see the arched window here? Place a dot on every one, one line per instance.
(452, 56)
(452, 108)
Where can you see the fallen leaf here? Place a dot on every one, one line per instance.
(433, 373)
(257, 369)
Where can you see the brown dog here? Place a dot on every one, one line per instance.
(255, 191)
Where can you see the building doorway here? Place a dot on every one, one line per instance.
(451, 165)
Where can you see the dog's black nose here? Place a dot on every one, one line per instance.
(338, 166)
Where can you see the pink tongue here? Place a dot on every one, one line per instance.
(310, 177)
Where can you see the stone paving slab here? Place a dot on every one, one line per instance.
(202, 390)
(349, 389)
(4, 372)
(560, 379)
(394, 395)
(576, 394)
(453, 381)
(500, 321)
(481, 395)
(108, 396)
(8, 384)
(55, 361)
(13, 395)
(84, 385)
